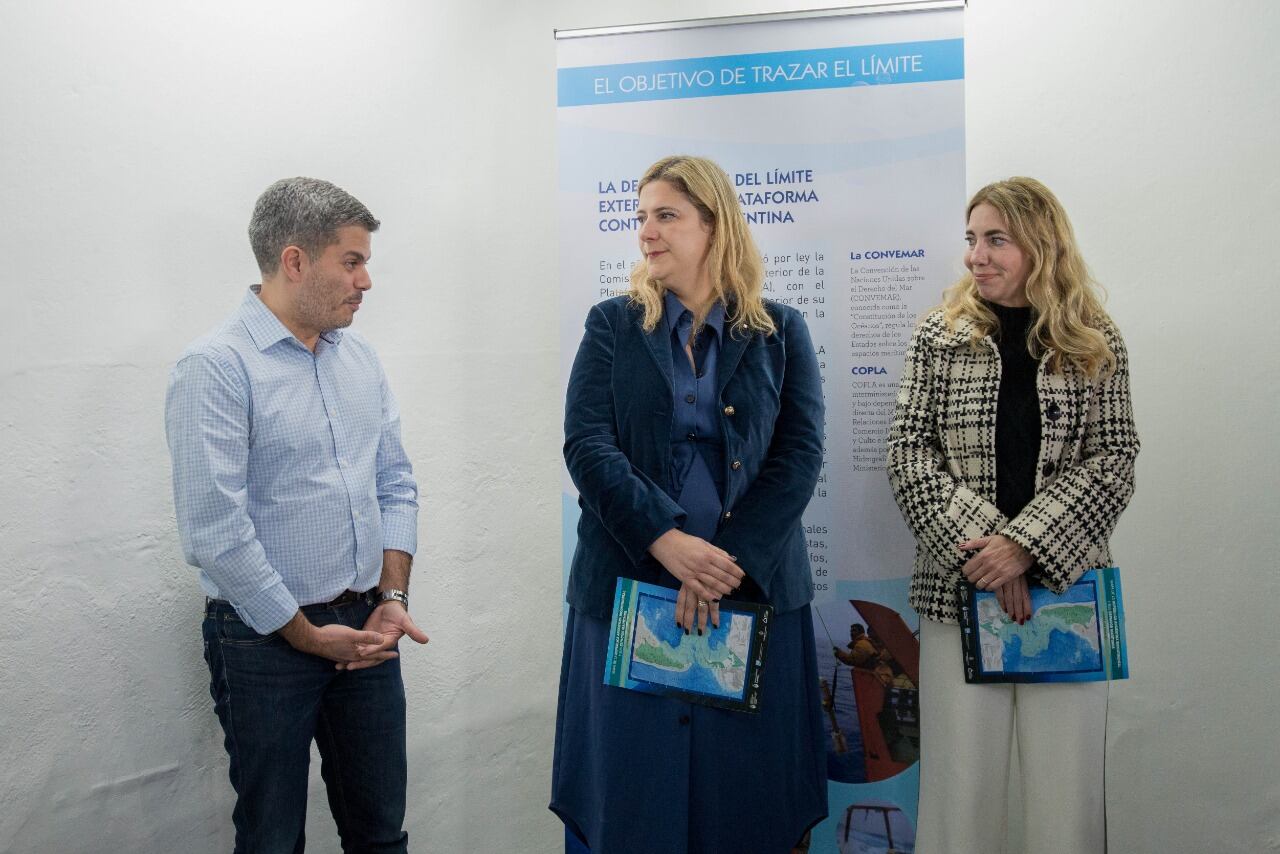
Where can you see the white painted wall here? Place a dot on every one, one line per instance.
(133, 140)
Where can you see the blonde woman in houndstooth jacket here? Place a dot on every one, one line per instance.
(1011, 457)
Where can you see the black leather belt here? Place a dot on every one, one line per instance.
(346, 597)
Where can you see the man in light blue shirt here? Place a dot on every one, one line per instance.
(297, 503)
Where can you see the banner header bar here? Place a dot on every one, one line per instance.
(753, 73)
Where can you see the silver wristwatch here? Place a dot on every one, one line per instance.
(394, 596)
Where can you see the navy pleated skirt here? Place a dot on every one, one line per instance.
(637, 774)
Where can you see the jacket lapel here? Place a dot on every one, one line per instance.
(658, 343)
(732, 345)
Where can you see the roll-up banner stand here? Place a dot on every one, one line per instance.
(843, 131)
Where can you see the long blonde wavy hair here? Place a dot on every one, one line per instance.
(1067, 313)
(737, 273)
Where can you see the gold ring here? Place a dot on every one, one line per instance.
(701, 604)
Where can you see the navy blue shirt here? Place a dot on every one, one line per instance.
(697, 451)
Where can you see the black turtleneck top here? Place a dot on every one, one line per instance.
(1017, 412)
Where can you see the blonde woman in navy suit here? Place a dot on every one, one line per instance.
(693, 432)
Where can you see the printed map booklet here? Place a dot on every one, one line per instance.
(1075, 637)
(648, 652)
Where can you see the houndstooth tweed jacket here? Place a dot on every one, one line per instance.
(942, 465)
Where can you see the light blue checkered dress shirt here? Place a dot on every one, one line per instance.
(289, 478)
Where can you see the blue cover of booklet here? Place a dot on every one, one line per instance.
(648, 652)
(1077, 636)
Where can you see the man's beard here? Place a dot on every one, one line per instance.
(315, 304)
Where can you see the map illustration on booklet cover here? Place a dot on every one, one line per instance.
(1077, 636)
(648, 652)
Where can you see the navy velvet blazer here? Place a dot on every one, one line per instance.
(617, 427)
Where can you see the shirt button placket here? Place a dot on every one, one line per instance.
(324, 379)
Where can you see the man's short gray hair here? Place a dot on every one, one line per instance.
(302, 212)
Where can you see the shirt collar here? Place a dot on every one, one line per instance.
(673, 308)
(265, 328)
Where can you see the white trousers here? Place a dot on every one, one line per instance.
(966, 735)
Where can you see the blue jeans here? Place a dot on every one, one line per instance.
(272, 700)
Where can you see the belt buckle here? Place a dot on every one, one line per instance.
(347, 597)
